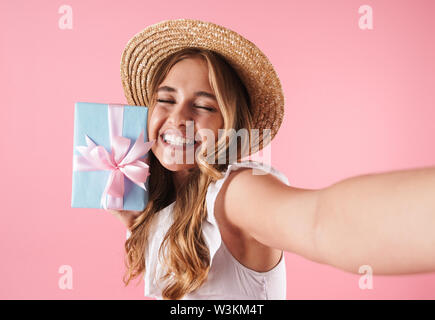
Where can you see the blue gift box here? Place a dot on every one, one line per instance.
(91, 119)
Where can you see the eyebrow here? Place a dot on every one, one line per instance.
(197, 94)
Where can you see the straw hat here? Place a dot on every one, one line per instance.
(147, 48)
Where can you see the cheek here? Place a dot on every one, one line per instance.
(154, 123)
(218, 124)
(213, 125)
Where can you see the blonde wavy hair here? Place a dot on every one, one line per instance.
(187, 258)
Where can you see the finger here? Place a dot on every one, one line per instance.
(114, 212)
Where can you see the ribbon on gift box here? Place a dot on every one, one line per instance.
(121, 162)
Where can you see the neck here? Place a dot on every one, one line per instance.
(178, 177)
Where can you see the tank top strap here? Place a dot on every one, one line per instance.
(211, 231)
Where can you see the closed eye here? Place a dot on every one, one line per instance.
(206, 108)
(200, 107)
(167, 101)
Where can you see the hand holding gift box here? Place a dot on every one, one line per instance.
(117, 179)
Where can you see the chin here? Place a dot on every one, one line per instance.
(174, 160)
(171, 164)
(177, 167)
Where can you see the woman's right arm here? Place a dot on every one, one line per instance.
(126, 217)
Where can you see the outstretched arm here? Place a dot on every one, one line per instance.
(384, 220)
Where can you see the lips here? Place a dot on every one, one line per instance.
(178, 135)
(174, 132)
(174, 146)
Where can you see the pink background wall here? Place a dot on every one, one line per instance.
(357, 101)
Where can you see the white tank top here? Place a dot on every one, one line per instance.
(227, 278)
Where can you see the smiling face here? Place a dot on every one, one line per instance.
(185, 106)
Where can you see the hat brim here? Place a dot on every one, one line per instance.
(147, 48)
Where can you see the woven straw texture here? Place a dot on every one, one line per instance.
(147, 48)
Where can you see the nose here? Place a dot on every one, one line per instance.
(180, 114)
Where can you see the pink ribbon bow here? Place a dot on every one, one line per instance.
(120, 161)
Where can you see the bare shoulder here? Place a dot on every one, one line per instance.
(236, 234)
(274, 214)
(245, 184)
(240, 194)
(249, 179)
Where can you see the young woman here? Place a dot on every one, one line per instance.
(216, 229)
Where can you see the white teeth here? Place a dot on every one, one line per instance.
(176, 140)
